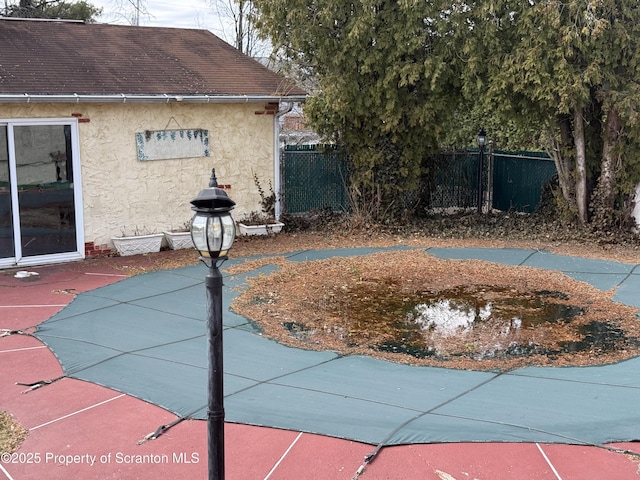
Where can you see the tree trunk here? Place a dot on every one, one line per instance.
(604, 196)
(240, 27)
(581, 166)
(562, 154)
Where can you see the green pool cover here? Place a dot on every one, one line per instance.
(146, 336)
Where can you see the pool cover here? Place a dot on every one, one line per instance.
(146, 336)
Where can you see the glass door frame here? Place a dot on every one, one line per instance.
(18, 259)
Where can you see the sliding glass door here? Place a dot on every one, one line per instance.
(6, 217)
(39, 203)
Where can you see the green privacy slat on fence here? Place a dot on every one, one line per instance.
(518, 179)
(313, 178)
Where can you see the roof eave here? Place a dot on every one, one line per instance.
(164, 98)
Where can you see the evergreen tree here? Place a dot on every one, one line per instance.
(396, 77)
(81, 10)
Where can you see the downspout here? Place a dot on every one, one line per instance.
(277, 174)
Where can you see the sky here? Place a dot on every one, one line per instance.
(178, 14)
(166, 13)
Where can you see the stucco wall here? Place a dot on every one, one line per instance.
(122, 194)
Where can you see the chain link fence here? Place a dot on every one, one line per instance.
(316, 177)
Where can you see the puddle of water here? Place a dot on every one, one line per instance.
(298, 330)
(479, 322)
(599, 337)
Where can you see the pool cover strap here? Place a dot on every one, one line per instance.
(159, 431)
(41, 383)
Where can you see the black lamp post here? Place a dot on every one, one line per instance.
(213, 232)
(482, 141)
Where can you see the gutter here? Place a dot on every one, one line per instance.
(277, 173)
(130, 98)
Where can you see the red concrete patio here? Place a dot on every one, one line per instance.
(81, 430)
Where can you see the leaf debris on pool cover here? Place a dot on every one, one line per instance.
(338, 304)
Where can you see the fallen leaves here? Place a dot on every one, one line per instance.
(319, 298)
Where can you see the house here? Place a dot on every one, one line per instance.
(294, 129)
(110, 129)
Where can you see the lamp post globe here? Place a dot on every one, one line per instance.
(212, 228)
(482, 138)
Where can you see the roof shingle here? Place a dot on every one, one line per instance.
(66, 58)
